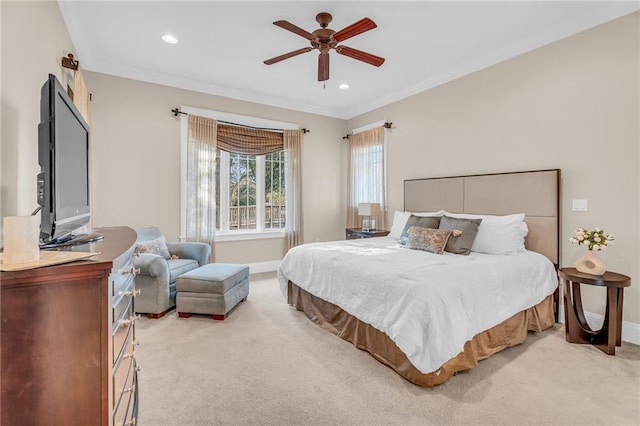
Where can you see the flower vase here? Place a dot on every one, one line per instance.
(590, 264)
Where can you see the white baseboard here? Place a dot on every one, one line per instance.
(630, 330)
(256, 268)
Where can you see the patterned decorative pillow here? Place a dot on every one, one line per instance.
(428, 239)
(420, 221)
(157, 246)
(460, 242)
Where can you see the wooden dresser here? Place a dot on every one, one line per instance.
(68, 339)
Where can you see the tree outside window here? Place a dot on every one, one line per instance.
(255, 192)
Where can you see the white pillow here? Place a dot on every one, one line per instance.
(497, 234)
(400, 220)
(428, 214)
(524, 229)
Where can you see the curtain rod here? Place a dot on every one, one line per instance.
(386, 125)
(176, 112)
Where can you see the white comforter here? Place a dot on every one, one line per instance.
(428, 304)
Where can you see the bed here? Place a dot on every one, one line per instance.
(429, 316)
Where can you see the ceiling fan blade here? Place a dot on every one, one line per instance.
(365, 24)
(323, 66)
(294, 29)
(374, 60)
(288, 55)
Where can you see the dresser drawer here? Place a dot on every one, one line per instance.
(135, 398)
(121, 365)
(127, 410)
(122, 276)
(120, 414)
(123, 298)
(122, 378)
(121, 328)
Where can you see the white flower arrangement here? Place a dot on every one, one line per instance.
(596, 239)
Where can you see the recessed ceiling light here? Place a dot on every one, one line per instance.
(168, 38)
(344, 86)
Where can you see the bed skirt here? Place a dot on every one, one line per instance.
(510, 332)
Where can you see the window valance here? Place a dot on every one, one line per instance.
(245, 140)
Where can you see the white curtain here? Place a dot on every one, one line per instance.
(293, 177)
(201, 181)
(367, 180)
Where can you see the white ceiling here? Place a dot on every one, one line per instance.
(222, 45)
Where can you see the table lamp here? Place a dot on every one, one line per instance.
(368, 211)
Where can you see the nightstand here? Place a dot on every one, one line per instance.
(357, 233)
(577, 329)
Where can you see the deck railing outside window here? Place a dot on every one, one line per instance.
(244, 217)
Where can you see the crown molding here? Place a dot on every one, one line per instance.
(609, 11)
(551, 35)
(148, 76)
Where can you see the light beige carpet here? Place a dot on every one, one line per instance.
(267, 364)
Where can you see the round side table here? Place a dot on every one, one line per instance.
(577, 329)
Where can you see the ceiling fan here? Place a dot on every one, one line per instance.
(325, 39)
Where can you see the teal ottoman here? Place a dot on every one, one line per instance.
(213, 289)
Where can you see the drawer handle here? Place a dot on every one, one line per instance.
(131, 389)
(133, 271)
(127, 321)
(134, 293)
(124, 322)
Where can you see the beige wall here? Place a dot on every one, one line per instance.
(34, 40)
(136, 167)
(571, 105)
(136, 141)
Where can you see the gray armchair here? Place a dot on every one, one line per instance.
(157, 277)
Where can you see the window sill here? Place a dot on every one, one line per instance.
(241, 236)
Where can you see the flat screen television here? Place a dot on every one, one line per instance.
(63, 155)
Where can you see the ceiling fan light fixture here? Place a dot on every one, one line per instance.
(168, 38)
(325, 39)
(343, 86)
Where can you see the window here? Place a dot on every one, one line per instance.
(251, 192)
(367, 181)
(275, 196)
(242, 187)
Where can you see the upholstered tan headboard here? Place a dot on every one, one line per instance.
(534, 193)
